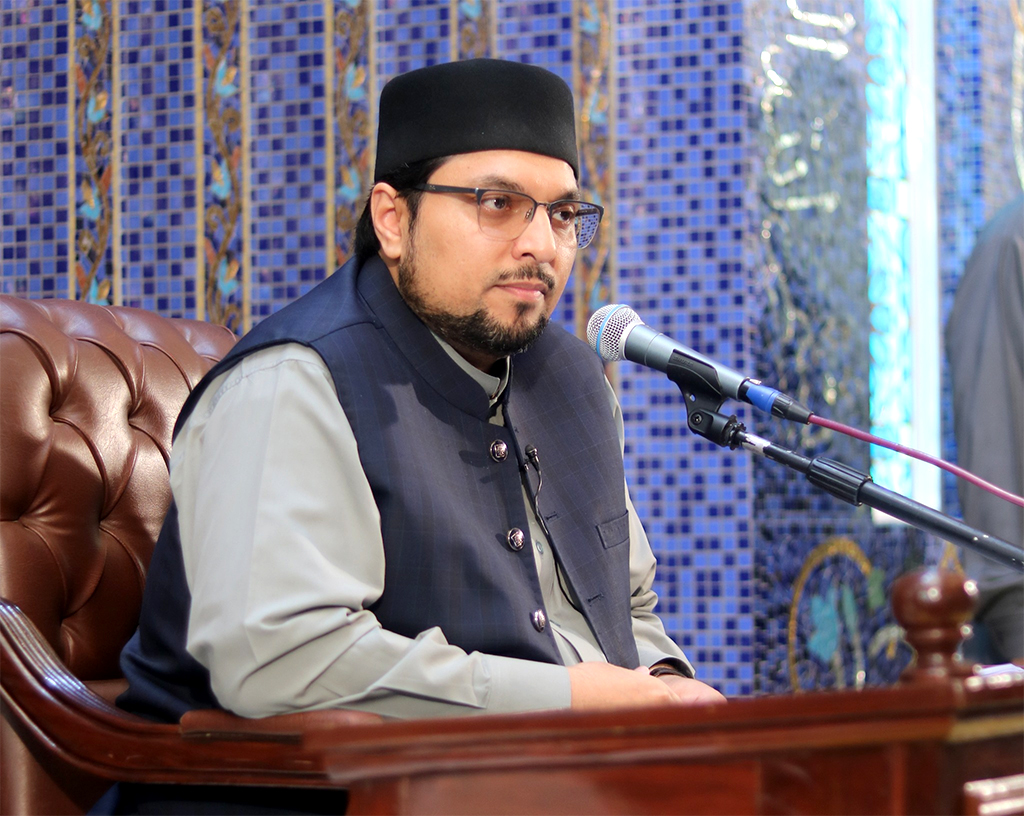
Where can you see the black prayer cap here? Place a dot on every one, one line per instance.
(478, 104)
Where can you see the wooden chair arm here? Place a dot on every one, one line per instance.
(206, 747)
(214, 724)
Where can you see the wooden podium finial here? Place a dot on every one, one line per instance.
(933, 606)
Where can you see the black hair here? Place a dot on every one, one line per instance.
(404, 180)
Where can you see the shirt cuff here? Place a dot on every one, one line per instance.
(672, 665)
(526, 685)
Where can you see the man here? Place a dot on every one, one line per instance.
(985, 348)
(404, 493)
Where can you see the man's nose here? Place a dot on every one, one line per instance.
(538, 239)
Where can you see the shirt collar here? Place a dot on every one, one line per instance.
(493, 385)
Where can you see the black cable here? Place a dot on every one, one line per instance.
(533, 457)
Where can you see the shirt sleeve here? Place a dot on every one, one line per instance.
(284, 556)
(652, 642)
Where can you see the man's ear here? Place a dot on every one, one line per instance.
(390, 215)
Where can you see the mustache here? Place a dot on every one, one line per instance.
(527, 273)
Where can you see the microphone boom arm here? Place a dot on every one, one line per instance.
(703, 397)
(856, 488)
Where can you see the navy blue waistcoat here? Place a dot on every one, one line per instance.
(447, 505)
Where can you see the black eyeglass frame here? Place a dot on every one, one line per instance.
(590, 207)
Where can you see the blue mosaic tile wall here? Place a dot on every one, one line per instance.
(538, 33)
(410, 35)
(34, 186)
(288, 154)
(158, 157)
(768, 584)
(681, 177)
(541, 34)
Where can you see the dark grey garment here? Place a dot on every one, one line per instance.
(985, 349)
(998, 635)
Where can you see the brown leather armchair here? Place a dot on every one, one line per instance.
(88, 399)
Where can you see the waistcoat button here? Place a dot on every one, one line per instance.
(516, 539)
(499, 450)
(539, 619)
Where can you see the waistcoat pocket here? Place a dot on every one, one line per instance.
(614, 532)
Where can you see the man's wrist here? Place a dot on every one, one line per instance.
(669, 667)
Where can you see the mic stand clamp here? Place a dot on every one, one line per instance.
(703, 397)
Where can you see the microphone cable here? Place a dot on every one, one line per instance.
(956, 470)
(533, 457)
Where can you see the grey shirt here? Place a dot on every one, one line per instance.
(282, 577)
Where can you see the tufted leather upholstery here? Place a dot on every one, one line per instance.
(88, 398)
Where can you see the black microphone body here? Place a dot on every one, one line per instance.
(616, 332)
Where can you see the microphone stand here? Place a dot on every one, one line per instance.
(699, 386)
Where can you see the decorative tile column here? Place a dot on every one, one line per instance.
(95, 139)
(352, 120)
(224, 208)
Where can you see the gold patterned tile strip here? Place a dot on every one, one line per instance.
(352, 119)
(245, 63)
(225, 79)
(592, 38)
(116, 128)
(330, 160)
(72, 150)
(473, 29)
(93, 131)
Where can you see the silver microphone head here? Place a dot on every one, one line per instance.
(607, 330)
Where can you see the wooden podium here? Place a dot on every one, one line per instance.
(943, 741)
(902, 750)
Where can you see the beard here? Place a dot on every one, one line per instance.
(478, 331)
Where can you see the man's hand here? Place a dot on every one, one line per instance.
(691, 692)
(604, 686)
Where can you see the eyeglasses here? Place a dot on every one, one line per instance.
(504, 215)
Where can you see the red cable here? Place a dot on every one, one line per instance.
(916, 454)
